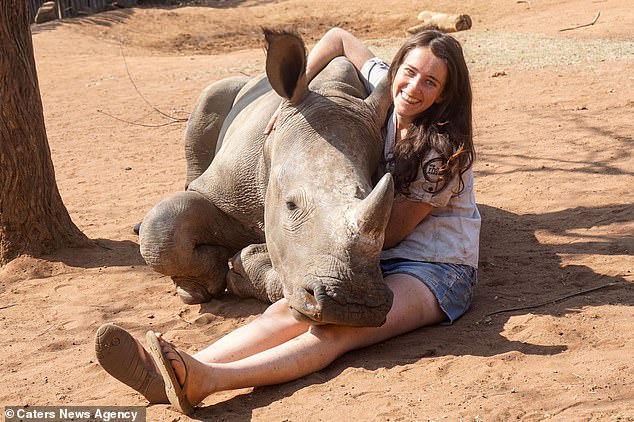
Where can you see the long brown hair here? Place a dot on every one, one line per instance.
(446, 126)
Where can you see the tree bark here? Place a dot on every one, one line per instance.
(33, 218)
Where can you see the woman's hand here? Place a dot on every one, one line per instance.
(270, 126)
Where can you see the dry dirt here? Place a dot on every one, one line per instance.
(555, 177)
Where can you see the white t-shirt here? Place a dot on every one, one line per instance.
(451, 231)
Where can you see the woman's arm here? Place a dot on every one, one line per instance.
(405, 216)
(336, 42)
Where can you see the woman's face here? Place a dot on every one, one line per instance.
(418, 83)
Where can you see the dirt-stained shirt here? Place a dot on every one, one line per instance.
(451, 231)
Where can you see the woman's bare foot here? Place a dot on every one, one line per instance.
(187, 380)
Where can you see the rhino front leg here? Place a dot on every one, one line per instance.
(184, 237)
(204, 124)
(252, 275)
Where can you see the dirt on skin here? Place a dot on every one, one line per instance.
(550, 333)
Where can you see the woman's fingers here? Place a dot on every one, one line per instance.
(273, 122)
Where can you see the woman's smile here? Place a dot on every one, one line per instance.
(408, 98)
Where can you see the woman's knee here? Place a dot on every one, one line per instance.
(279, 314)
(277, 308)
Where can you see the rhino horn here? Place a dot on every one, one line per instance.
(372, 214)
(286, 64)
(380, 100)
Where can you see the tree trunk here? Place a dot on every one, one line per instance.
(33, 218)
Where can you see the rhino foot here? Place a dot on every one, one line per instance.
(252, 275)
(193, 292)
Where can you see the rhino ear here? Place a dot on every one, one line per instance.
(286, 64)
(380, 100)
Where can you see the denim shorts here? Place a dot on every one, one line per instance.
(452, 284)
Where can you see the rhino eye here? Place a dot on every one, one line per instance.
(291, 206)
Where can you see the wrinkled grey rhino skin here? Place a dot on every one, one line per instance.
(309, 184)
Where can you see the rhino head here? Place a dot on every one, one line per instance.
(324, 222)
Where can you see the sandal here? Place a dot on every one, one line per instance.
(118, 353)
(175, 391)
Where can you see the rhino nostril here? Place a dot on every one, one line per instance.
(306, 303)
(308, 295)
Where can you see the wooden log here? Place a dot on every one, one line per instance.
(46, 12)
(444, 22)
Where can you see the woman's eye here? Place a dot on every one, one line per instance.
(290, 205)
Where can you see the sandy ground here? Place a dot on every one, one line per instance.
(555, 177)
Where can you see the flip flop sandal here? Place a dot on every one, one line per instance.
(175, 392)
(118, 353)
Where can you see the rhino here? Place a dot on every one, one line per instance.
(293, 214)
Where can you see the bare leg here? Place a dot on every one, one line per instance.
(274, 327)
(414, 306)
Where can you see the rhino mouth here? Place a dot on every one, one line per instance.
(319, 305)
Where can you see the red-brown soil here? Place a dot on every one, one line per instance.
(555, 186)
